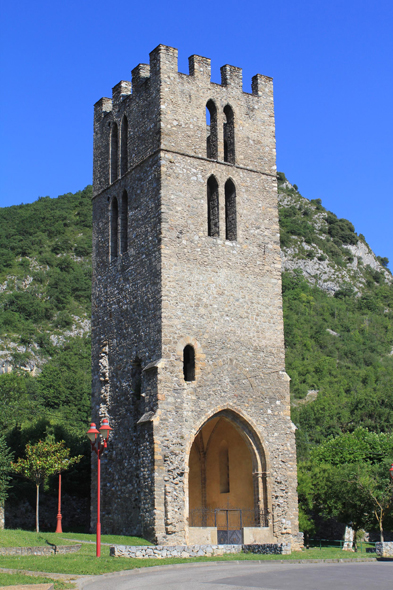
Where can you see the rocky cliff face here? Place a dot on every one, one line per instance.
(326, 249)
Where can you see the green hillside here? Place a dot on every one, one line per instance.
(338, 316)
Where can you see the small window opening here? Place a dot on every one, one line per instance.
(124, 147)
(189, 363)
(229, 136)
(114, 228)
(223, 461)
(230, 211)
(124, 223)
(211, 131)
(213, 219)
(114, 152)
(136, 379)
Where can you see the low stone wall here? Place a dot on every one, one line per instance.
(384, 549)
(268, 549)
(162, 551)
(44, 550)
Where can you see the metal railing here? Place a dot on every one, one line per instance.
(363, 546)
(228, 518)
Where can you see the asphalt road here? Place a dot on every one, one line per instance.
(250, 575)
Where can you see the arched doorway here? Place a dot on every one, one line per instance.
(227, 478)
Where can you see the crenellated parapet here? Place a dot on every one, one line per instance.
(164, 63)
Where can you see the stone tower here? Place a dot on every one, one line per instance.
(188, 350)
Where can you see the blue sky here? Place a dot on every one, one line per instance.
(332, 65)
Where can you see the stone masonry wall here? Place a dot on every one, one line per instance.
(384, 549)
(175, 285)
(185, 551)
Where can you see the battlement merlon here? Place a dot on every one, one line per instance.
(232, 76)
(139, 75)
(199, 67)
(261, 85)
(163, 62)
(101, 107)
(120, 91)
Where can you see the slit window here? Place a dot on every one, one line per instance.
(136, 379)
(114, 228)
(211, 131)
(189, 363)
(124, 147)
(224, 467)
(229, 135)
(124, 223)
(213, 219)
(114, 152)
(230, 211)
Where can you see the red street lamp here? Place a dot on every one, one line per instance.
(391, 471)
(98, 447)
(58, 526)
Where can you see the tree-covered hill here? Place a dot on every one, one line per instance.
(45, 292)
(338, 318)
(338, 322)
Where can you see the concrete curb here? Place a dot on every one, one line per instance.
(28, 587)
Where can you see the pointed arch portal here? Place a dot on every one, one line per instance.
(227, 475)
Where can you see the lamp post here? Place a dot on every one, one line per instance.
(58, 527)
(98, 447)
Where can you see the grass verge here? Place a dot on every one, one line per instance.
(19, 538)
(85, 563)
(15, 579)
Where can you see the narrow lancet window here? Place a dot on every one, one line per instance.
(230, 211)
(114, 152)
(229, 135)
(114, 228)
(223, 460)
(124, 146)
(211, 131)
(136, 378)
(213, 222)
(189, 363)
(124, 223)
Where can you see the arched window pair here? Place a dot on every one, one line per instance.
(114, 157)
(213, 216)
(212, 135)
(117, 221)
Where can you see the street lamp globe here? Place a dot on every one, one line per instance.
(92, 433)
(105, 429)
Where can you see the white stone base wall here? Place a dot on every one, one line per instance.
(384, 549)
(162, 551)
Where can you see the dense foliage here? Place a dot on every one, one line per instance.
(45, 266)
(349, 366)
(5, 469)
(347, 477)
